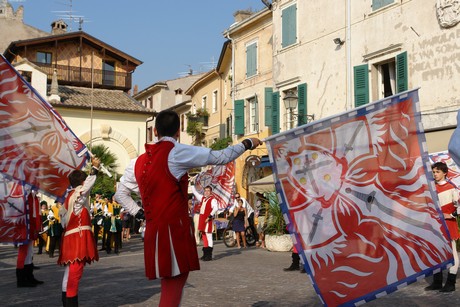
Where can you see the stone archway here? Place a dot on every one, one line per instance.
(106, 135)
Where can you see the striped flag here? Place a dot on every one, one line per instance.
(36, 145)
(358, 196)
(222, 180)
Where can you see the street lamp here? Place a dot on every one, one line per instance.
(290, 102)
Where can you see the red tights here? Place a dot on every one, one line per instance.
(171, 290)
(73, 280)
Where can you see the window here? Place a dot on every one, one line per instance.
(108, 73)
(251, 60)
(289, 25)
(44, 57)
(253, 115)
(26, 75)
(378, 4)
(229, 126)
(204, 102)
(386, 79)
(149, 103)
(182, 122)
(214, 101)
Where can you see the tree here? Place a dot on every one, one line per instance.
(104, 184)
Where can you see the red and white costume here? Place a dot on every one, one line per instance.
(448, 196)
(77, 246)
(208, 208)
(160, 176)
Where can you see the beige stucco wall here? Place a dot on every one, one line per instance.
(123, 135)
(38, 81)
(376, 36)
(257, 28)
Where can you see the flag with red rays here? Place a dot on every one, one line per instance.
(37, 150)
(221, 178)
(36, 145)
(358, 196)
(20, 219)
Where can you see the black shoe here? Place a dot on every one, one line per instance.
(102, 249)
(450, 283)
(437, 282)
(302, 270)
(291, 268)
(22, 280)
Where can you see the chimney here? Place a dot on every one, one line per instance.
(54, 92)
(58, 27)
(136, 90)
(241, 15)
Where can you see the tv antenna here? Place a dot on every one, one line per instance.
(187, 73)
(69, 15)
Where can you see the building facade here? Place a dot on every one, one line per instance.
(348, 53)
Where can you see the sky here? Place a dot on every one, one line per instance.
(169, 36)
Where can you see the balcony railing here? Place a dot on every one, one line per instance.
(81, 76)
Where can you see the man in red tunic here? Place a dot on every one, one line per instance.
(160, 177)
(208, 207)
(78, 246)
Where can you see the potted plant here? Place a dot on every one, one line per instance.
(277, 237)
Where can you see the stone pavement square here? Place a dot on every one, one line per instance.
(236, 277)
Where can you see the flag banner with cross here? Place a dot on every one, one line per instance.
(36, 145)
(358, 196)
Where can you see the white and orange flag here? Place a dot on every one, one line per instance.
(358, 196)
(222, 180)
(37, 148)
(36, 145)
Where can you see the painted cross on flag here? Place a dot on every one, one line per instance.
(221, 178)
(358, 195)
(36, 145)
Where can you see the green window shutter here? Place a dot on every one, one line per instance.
(401, 72)
(377, 4)
(289, 26)
(302, 105)
(239, 117)
(251, 60)
(275, 113)
(268, 99)
(361, 78)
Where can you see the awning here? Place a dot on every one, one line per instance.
(264, 162)
(266, 184)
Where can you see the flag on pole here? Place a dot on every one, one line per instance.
(358, 196)
(13, 211)
(36, 145)
(221, 178)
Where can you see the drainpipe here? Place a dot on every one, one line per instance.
(349, 74)
(233, 77)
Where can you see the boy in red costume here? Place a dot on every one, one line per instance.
(78, 245)
(448, 200)
(160, 177)
(208, 207)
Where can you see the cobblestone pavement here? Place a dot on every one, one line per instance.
(236, 277)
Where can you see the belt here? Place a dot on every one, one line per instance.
(78, 229)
